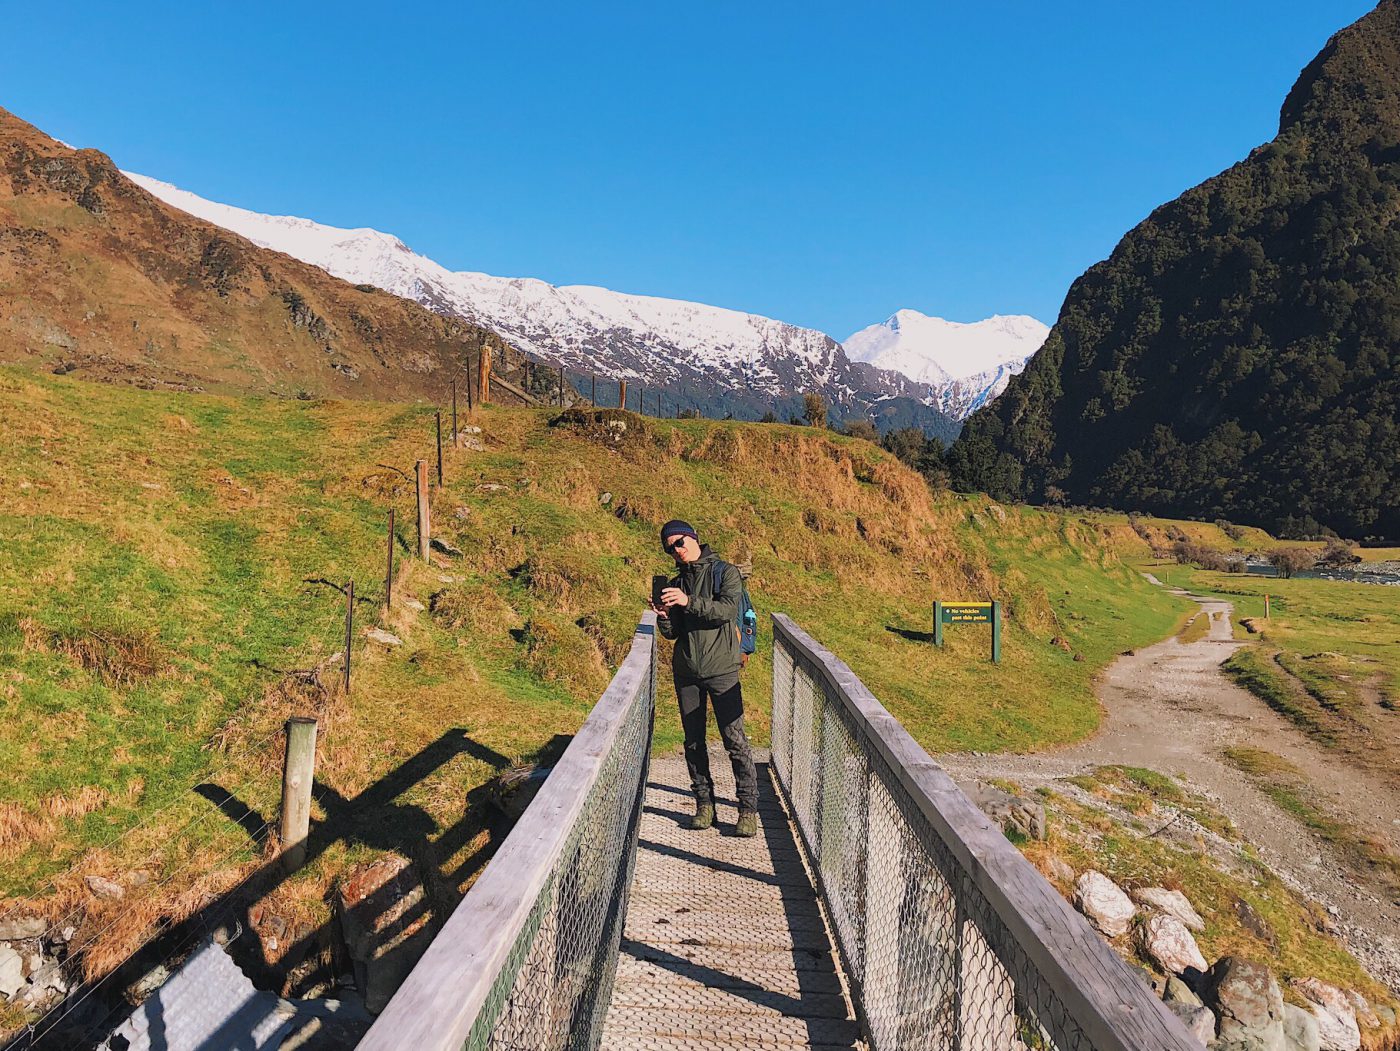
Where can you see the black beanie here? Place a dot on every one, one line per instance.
(675, 527)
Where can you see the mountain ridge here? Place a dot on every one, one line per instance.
(712, 356)
(1238, 353)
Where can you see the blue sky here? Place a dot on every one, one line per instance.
(825, 164)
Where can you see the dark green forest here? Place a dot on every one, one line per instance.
(1238, 355)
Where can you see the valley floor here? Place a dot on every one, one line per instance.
(1170, 708)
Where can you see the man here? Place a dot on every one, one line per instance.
(700, 613)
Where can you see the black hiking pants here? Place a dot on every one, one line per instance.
(724, 693)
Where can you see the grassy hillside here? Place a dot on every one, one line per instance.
(171, 570)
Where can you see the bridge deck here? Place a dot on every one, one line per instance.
(725, 946)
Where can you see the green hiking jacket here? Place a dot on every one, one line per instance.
(706, 631)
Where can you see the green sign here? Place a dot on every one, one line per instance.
(969, 613)
(966, 612)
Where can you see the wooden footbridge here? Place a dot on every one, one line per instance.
(877, 908)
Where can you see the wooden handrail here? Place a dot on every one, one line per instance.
(437, 1005)
(1111, 1005)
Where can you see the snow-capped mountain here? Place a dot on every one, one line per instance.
(966, 364)
(706, 357)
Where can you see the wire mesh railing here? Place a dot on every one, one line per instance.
(526, 961)
(949, 937)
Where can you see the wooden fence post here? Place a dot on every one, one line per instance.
(349, 629)
(438, 416)
(420, 469)
(483, 382)
(298, 773)
(389, 573)
(622, 394)
(455, 442)
(641, 401)
(1266, 608)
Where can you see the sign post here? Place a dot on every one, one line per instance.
(969, 613)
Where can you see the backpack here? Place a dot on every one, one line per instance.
(746, 624)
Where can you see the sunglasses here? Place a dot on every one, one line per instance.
(673, 546)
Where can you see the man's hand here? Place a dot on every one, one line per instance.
(674, 597)
(660, 611)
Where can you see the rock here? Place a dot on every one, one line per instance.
(1079, 657)
(468, 429)
(490, 487)
(384, 637)
(386, 928)
(438, 544)
(1334, 1013)
(105, 888)
(1100, 899)
(1198, 1020)
(1300, 1032)
(1386, 1015)
(1060, 869)
(1061, 642)
(1364, 1015)
(1178, 992)
(11, 972)
(1248, 1005)
(148, 983)
(414, 604)
(18, 928)
(605, 499)
(1172, 902)
(1255, 924)
(462, 513)
(1165, 940)
(1025, 817)
(46, 986)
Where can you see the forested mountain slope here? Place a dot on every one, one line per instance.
(1238, 354)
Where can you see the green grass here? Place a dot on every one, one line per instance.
(203, 541)
(1255, 669)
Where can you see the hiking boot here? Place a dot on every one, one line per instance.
(748, 824)
(704, 817)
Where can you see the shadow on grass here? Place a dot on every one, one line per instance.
(908, 635)
(376, 818)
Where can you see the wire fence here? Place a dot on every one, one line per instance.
(950, 938)
(527, 960)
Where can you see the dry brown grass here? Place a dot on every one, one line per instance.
(558, 651)
(118, 655)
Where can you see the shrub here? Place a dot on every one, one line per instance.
(1289, 560)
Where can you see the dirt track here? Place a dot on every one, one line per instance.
(1170, 708)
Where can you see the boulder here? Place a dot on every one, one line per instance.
(1251, 921)
(1172, 902)
(1013, 813)
(1198, 1020)
(1367, 1018)
(102, 887)
(1248, 1004)
(11, 972)
(1334, 1013)
(384, 638)
(1103, 901)
(386, 924)
(19, 928)
(1300, 1032)
(1178, 992)
(1166, 941)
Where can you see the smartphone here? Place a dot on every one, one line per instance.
(658, 583)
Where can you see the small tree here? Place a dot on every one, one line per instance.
(1289, 560)
(768, 417)
(814, 409)
(862, 429)
(1338, 553)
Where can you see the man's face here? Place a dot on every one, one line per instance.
(682, 548)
